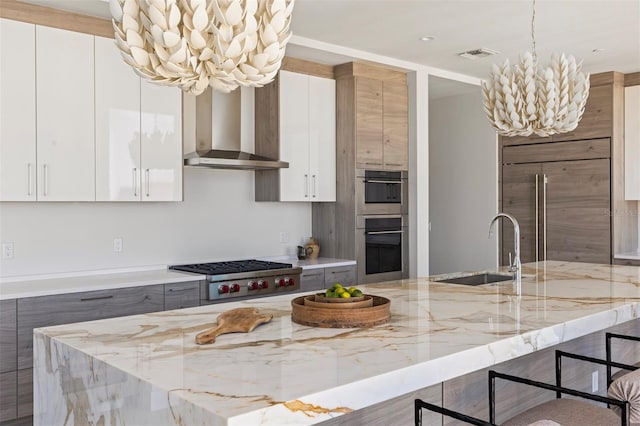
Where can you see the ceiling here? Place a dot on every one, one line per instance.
(393, 28)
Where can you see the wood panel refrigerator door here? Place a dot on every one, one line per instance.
(65, 111)
(161, 142)
(519, 200)
(369, 151)
(396, 126)
(578, 210)
(322, 138)
(117, 126)
(295, 182)
(18, 111)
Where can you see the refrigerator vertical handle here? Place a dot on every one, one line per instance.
(544, 216)
(537, 219)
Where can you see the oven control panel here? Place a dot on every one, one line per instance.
(253, 287)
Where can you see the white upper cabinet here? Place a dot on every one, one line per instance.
(17, 111)
(161, 142)
(307, 137)
(65, 115)
(138, 133)
(118, 175)
(632, 142)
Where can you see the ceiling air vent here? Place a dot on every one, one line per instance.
(478, 53)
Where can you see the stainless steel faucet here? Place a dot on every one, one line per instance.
(516, 266)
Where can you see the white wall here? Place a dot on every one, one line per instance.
(462, 184)
(217, 220)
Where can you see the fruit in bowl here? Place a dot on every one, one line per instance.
(338, 291)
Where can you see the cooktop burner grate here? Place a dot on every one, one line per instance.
(231, 267)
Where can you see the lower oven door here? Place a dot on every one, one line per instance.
(382, 246)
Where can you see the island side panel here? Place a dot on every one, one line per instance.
(469, 394)
(71, 387)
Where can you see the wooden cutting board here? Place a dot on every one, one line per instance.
(239, 320)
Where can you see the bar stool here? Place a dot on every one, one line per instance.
(561, 411)
(608, 338)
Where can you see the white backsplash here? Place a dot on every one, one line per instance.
(218, 219)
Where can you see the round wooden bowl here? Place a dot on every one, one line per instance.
(365, 302)
(321, 298)
(324, 317)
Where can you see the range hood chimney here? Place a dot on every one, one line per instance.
(214, 124)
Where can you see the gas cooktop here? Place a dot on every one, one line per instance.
(231, 267)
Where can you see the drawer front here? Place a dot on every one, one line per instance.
(557, 151)
(312, 279)
(46, 311)
(25, 392)
(345, 275)
(8, 341)
(181, 295)
(8, 396)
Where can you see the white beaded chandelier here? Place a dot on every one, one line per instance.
(194, 44)
(522, 100)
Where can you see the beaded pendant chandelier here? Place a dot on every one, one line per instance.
(194, 44)
(523, 99)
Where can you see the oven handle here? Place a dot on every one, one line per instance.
(382, 181)
(383, 232)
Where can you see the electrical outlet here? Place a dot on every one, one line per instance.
(117, 245)
(284, 237)
(7, 250)
(594, 381)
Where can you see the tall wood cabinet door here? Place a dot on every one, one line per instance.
(519, 200)
(117, 125)
(18, 106)
(578, 210)
(369, 150)
(294, 136)
(322, 138)
(65, 111)
(161, 142)
(395, 126)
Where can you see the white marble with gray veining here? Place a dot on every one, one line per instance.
(147, 370)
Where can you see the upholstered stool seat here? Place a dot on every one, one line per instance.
(566, 412)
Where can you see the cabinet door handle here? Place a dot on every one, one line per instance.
(306, 186)
(537, 221)
(146, 172)
(383, 232)
(45, 179)
(177, 290)
(544, 216)
(135, 184)
(29, 179)
(89, 299)
(313, 185)
(393, 164)
(311, 275)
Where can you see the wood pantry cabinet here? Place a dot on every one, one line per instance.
(632, 143)
(296, 122)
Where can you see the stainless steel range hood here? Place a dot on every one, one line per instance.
(214, 124)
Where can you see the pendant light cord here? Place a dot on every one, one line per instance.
(533, 32)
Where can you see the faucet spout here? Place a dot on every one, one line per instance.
(516, 265)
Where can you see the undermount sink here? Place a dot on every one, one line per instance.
(478, 279)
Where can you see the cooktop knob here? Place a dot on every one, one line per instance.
(281, 282)
(291, 281)
(223, 288)
(235, 288)
(253, 285)
(263, 284)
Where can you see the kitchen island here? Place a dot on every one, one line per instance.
(146, 369)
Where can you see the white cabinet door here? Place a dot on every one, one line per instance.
(17, 111)
(295, 181)
(117, 126)
(632, 143)
(322, 138)
(65, 115)
(161, 144)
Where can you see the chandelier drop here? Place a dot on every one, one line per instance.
(193, 44)
(522, 100)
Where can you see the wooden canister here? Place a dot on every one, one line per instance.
(312, 248)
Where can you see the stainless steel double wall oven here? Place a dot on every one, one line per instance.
(382, 243)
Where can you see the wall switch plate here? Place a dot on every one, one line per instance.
(594, 381)
(7, 250)
(284, 237)
(117, 245)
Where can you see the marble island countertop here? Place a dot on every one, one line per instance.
(147, 369)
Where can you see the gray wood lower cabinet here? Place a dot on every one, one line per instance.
(181, 295)
(7, 335)
(44, 311)
(8, 399)
(345, 275)
(25, 392)
(312, 279)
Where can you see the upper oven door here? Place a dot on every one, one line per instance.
(381, 192)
